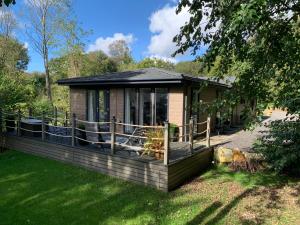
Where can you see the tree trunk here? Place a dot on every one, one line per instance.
(47, 76)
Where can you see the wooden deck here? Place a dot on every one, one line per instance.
(143, 171)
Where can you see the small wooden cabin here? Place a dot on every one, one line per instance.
(143, 97)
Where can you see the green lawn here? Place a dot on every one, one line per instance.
(39, 191)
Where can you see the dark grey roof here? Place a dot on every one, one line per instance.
(141, 76)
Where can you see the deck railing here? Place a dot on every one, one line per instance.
(79, 131)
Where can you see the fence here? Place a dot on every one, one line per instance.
(143, 140)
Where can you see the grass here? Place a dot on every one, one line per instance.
(35, 190)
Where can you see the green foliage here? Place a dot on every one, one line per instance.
(7, 2)
(13, 55)
(258, 41)
(97, 63)
(13, 91)
(188, 67)
(120, 52)
(155, 62)
(40, 105)
(281, 146)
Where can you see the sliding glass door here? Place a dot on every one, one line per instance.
(146, 106)
(131, 108)
(98, 105)
(161, 105)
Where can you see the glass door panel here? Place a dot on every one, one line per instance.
(92, 109)
(131, 108)
(145, 103)
(161, 106)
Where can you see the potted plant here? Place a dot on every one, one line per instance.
(174, 132)
(81, 134)
(154, 144)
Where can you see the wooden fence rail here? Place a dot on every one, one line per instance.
(73, 127)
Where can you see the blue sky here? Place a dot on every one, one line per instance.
(146, 25)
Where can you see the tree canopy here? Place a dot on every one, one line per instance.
(258, 41)
(7, 2)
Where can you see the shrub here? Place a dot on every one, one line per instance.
(281, 146)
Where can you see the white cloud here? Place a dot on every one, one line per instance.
(165, 24)
(102, 43)
(166, 59)
(26, 45)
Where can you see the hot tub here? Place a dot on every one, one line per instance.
(31, 124)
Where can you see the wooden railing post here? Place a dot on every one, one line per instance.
(166, 143)
(113, 135)
(208, 132)
(1, 122)
(191, 135)
(29, 112)
(66, 119)
(55, 116)
(43, 126)
(19, 123)
(73, 129)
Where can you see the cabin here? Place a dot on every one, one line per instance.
(139, 126)
(145, 97)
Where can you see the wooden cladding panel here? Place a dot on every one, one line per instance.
(153, 174)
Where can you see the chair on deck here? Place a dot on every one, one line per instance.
(136, 144)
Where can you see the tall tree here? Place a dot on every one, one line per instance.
(258, 41)
(44, 30)
(8, 23)
(73, 49)
(120, 52)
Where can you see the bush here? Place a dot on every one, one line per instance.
(281, 147)
(41, 105)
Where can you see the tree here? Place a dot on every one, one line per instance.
(189, 67)
(120, 52)
(155, 62)
(13, 56)
(44, 30)
(8, 23)
(97, 62)
(258, 41)
(73, 50)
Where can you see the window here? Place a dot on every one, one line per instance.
(131, 108)
(98, 105)
(161, 111)
(92, 109)
(146, 106)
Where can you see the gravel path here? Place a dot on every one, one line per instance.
(244, 140)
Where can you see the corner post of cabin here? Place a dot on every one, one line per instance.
(113, 134)
(43, 126)
(166, 143)
(208, 132)
(191, 135)
(19, 123)
(73, 129)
